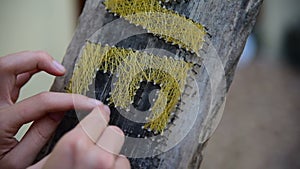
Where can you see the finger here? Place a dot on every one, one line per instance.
(15, 94)
(20, 81)
(23, 78)
(40, 105)
(67, 149)
(95, 157)
(75, 149)
(26, 61)
(36, 137)
(94, 123)
(41, 131)
(122, 162)
(111, 140)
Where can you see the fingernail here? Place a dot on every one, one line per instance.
(58, 66)
(106, 108)
(111, 140)
(117, 129)
(122, 156)
(106, 112)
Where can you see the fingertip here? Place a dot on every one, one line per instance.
(104, 114)
(46, 60)
(106, 109)
(122, 162)
(95, 102)
(118, 130)
(59, 67)
(112, 139)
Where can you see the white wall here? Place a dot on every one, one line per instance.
(36, 25)
(276, 17)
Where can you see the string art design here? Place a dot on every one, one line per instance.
(132, 67)
(161, 22)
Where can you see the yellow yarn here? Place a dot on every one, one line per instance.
(132, 67)
(162, 22)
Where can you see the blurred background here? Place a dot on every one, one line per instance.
(260, 128)
(37, 25)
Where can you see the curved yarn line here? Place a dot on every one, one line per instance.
(132, 67)
(164, 23)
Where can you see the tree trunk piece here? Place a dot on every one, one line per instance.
(229, 23)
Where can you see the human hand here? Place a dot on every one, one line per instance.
(45, 110)
(87, 146)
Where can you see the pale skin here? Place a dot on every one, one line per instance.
(91, 144)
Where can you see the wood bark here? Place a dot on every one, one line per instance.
(229, 23)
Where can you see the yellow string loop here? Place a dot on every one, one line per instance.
(167, 24)
(132, 67)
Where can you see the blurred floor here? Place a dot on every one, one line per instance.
(260, 128)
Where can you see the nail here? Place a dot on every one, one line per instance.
(122, 156)
(106, 112)
(111, 140)
(58, 66)
(106, 108)
(117, 129)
